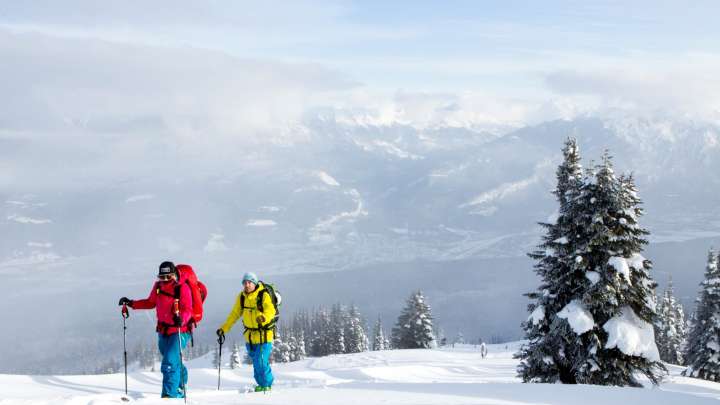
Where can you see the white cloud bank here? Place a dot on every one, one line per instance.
(117, 90)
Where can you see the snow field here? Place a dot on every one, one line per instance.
(448, 376)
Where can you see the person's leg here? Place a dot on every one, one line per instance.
(262, 365)
(171, 366)
(165, 365)
(253, 352)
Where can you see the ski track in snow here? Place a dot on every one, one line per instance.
(448, 376)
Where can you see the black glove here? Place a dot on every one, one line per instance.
(177, 320)
(221, 336)
(125, 301)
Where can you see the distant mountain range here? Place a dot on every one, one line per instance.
(352, 194)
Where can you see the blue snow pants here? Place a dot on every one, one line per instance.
(175, 375)
(260, 355)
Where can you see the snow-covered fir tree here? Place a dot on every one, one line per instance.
(281, 352)
(146, 356)
(235, 356)
(620, 296)
(595, 289)
(299, 352)
(356, 340)
(414, 327)
(549, 337)
(670, 331)
(378, 342)
(440, 337)
(459, 338)
(336, 336)
(703, 345)
(320, 338)
(296, 349)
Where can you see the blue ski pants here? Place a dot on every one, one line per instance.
(260, 355)
(174, 373)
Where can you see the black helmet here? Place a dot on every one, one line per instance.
(167, 268)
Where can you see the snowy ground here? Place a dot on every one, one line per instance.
(445, 376)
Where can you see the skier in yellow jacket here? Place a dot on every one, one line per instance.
(258, 317)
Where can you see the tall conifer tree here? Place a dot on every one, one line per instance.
(703, 346)
(414, 328)
(378, 336)
(670, 332)
(620, 296)
(356, 340)
(594, 282)
(544, 358)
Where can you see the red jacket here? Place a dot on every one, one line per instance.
(162, 298)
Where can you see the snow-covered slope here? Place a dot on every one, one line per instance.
(444, 376)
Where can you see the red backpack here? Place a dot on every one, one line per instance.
(197, 290)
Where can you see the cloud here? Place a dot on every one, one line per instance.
(27, 220)
(125, 110)
(140, 197)
(238, 27)
(109, 92)
(261, 223)
(689, 86)
(111, 87)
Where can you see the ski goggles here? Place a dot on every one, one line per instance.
(165, 277)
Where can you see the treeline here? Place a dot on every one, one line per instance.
(341, 329)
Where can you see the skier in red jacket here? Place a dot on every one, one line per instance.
(172, 300)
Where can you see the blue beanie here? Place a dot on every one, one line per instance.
(250, 276)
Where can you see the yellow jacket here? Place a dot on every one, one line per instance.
(249, 313)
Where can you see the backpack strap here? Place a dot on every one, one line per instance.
(259, 304)
(160, 291)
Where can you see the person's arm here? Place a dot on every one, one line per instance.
(233, 316)
(147, 303)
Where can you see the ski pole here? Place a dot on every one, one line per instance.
(220, 340)
(125, 315)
